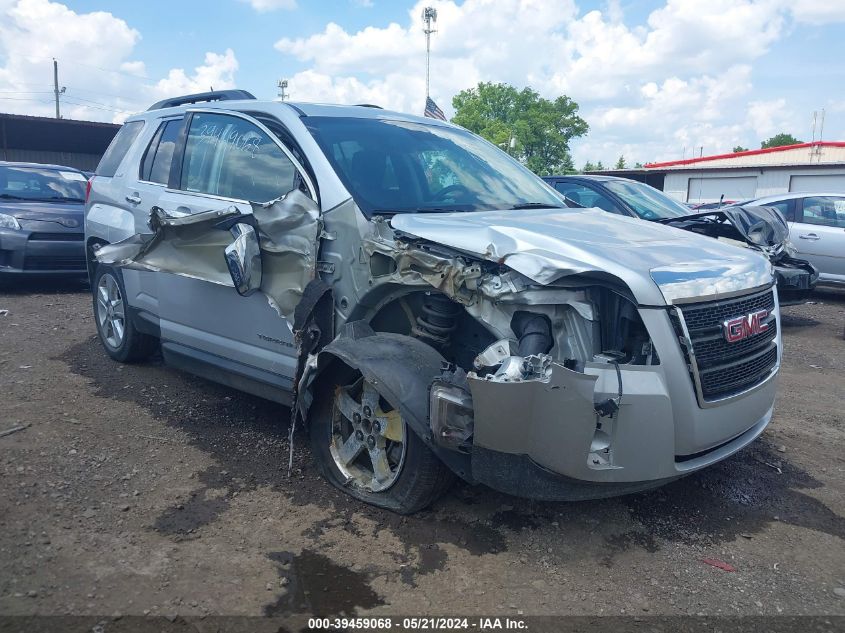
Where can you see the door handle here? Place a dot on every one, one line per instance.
(133, 199)
(809, 236)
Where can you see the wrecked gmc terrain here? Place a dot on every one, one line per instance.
(426, 306)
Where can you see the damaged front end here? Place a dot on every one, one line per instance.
(763, 229)
(548, 376)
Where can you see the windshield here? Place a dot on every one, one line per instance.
(38, 184)
(647, 202)
(404, 167)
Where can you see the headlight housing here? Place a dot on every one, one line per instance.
(9, 222)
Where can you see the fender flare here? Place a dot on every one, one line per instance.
(403, 368)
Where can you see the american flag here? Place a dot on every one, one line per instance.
(432, 111)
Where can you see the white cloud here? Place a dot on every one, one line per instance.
(684, 76)
(217, 72)
(263, 6)
(96, 53)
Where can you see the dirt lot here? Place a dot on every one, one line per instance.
(142, 490)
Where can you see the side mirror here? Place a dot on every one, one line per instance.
(243, 259)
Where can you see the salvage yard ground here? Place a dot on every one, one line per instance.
(143, 490)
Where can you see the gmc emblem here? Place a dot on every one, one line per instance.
(740, 328)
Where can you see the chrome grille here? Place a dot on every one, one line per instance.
(718, 368)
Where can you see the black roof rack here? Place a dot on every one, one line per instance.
(217, 95)
(369, 105)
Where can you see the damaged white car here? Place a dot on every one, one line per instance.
(426, 306)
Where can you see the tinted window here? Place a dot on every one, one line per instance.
(825, 210)
(230, 157)
(646, 201)
(39, 184)
(156, 164)
(117, 149)
(404, 166)
(585, 196)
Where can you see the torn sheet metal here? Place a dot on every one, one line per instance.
(550, 419)
(763, 227)
(193, 246)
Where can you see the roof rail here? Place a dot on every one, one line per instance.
(369, 105)
(217, 95)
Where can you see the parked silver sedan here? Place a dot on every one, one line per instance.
(816, 229)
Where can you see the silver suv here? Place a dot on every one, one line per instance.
(425, 305)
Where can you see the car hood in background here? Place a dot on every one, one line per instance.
(659, 264)
(763, 227)
(67, 214)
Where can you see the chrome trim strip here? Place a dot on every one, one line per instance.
(723, 295)
(693, 364)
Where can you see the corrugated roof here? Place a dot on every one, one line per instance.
(738, 156)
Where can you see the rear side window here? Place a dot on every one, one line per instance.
(156, 164)
(230, 157)
(117, 149)
(825, 211)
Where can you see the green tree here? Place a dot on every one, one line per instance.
(532, 129)
(588, 166)
(638, 165)
(740, 148)
(599, 166)
(779, 140)
(620, 164)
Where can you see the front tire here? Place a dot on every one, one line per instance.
(121, 340)
(364, 448)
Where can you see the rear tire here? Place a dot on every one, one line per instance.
(121, 340)
(414, 478)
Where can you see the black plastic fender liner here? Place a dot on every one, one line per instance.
(403, 369)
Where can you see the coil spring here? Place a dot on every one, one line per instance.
(438, 320)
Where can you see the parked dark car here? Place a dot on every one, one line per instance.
(760, 227)
(41, 220)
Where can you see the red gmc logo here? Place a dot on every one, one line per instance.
(740, 328)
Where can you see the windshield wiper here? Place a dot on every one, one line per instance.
(418, 210)
(535, 205)
(55, 199)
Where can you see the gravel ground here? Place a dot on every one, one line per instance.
(138, 489)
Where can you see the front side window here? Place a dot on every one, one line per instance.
(37, 184)
(825, 211)
(230, 157)
(646, 201)
(404, 167)
(585, 196)
(159, 155)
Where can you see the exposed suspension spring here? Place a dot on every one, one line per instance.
(438, 320)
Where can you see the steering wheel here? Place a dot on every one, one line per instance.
(444, 193)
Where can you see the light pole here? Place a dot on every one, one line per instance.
(282, 85)
(429, 15)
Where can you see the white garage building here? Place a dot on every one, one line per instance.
(807, 167)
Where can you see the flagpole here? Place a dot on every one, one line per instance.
(429, 15)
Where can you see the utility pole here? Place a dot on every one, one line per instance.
(282, 84)
(56, 90)
(429, 15)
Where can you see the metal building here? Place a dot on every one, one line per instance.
(35, 139)
(806, 167)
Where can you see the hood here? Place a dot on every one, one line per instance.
(67, 214)
(763, 227)
(659, 264)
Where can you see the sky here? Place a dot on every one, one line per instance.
(655, 79)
